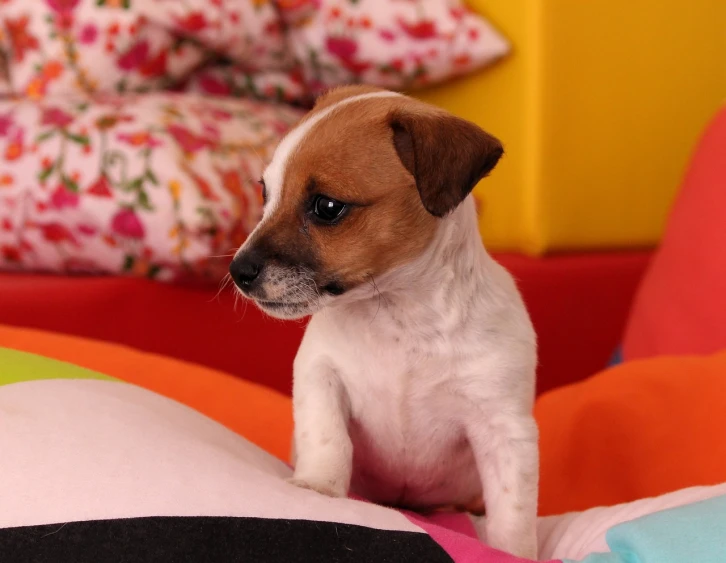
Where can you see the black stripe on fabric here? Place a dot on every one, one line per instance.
(204, 539)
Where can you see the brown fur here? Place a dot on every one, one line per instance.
(384, 157)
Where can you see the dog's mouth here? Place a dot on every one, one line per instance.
(286, 309)
(281, 304)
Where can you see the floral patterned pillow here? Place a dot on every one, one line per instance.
(397, 44)
(237, 80)
(160, 185)
(61, 46)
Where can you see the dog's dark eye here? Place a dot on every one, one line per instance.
(328, 210)
(264, 191)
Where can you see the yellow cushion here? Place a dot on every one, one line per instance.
(598, 106)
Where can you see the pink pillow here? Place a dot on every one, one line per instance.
(62, 46)
(160, 185)
(397, 45)
(680, 307)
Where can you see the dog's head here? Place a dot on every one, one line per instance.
(355, 190)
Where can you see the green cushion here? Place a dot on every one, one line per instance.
(18, 366)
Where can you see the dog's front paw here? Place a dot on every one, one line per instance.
(329, 488)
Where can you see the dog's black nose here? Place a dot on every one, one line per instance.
(245, 269)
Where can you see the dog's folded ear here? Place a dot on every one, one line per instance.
(446, 155)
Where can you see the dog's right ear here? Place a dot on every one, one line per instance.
(446, 155)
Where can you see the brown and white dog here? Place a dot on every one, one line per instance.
(414, 383)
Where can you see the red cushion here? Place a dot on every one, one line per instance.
(578, 303)
(680, 307)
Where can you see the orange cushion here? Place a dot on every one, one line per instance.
(640, 429)
(680, 308)
(259, 413)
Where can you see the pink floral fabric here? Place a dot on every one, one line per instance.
(397, 44)
(238, 81)
(160, 185)
(66, 46)
(287, 50)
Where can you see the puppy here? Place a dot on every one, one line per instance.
(414, 383)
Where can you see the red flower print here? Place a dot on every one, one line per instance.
(342, 47)
(220, 114)
(457, 12)
(127, 224)
(140, 139)
(296, 75)
(101, 187)
(52, 70)
(356, 67)
(57, 232)
(56, 117)
(193, 21)
(62, 6)
(6, 225)
(134, 57)
(290, 5)
(462, 60)
(231, 182)
(6, 121)
(10, 253)
(204, 187)
(6, 180)
(387, 35)
(88, 34)
(473, 34)
(424, 29)
(88, 230)
(16, 147)
(20, 38)
(109, 240)
(155, 66)
(213, 85)
(64, 20)
(63, 197)
(212, 133)
(188, 141)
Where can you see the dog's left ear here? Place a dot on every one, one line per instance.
(446, 155)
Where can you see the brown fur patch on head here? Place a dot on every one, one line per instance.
(349, 156)
(397, 163)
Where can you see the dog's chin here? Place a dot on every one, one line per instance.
(287, 310)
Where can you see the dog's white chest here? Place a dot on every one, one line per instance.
(408, 445)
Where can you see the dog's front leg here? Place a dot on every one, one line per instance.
(323, 450)
(507, 456)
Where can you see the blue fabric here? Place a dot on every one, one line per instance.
(694, 533)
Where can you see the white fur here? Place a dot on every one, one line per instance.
(419, 389)
(429, 386)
